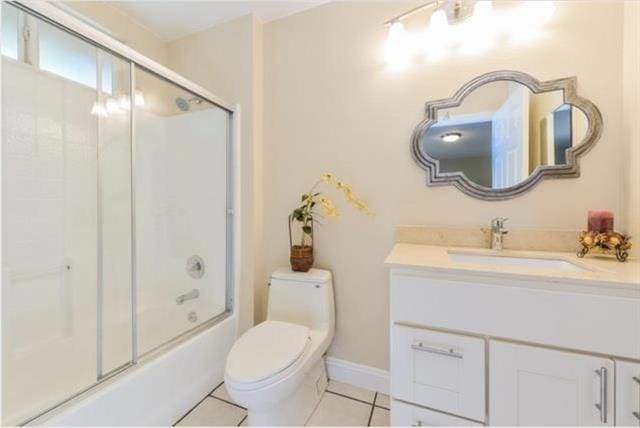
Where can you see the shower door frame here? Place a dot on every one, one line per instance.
(74, 26)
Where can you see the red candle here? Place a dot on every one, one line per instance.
(600, 221)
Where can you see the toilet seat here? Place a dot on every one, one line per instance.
(265, 352)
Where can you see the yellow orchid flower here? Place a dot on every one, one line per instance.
(327, 177)
(330, 210)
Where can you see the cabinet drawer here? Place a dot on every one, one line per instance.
(439, 370)
(404, 414)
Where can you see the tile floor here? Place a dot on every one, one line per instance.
(341, 405)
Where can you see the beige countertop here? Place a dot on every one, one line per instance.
(596, 270)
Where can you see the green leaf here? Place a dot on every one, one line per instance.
(306, 229)
(305, 197)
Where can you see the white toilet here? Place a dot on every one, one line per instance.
(276, 369)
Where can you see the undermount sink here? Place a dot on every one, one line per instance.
(499, 260)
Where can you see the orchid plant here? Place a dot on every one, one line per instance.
(305, 213)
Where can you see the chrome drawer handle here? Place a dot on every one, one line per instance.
(602, 406)
(447, 352)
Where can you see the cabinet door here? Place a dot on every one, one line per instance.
(537, 386)
(627, 394)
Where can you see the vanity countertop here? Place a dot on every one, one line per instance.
(594, 270)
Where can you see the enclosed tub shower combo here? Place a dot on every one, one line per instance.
(117, 218)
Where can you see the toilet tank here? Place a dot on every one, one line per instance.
(304, 298)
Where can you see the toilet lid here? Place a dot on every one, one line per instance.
(265, 350)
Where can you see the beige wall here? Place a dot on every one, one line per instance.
(330, 105)
(227, 60)
(631, 113)
(134, 35)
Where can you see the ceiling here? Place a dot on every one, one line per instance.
(171, 20)
(475, 141)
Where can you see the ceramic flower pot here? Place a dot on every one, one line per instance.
(301, 258)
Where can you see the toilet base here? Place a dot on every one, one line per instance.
(296, 409)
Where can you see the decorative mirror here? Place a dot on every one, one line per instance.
(503, 132)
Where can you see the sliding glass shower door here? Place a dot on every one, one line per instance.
(66, 272)
(180, 209)
(115, 213)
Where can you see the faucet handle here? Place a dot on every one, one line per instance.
(498, 224)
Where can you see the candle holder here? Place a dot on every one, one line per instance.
(608, 242)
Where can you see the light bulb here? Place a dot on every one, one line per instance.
(482, 10)
(138, 98)
(477, 35)
(399, 47)
(438, 21)
(538, 12)
(437, 37)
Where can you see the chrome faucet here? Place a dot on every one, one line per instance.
(497, 232)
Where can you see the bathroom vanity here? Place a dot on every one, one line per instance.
(481, 337)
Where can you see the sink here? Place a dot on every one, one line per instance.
(499, 260)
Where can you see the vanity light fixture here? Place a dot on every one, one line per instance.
(465, 27)
(451, 137)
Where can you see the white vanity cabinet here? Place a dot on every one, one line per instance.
(534, 386)
(627, 393)
(492, 347)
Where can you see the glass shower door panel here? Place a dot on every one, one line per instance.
(180, 175)
(51, 217)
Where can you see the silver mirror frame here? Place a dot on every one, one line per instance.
(569, 170)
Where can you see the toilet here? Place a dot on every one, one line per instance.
(276, 370)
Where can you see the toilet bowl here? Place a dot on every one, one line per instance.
(276, 370)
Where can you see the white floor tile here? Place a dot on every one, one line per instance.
(380, 417)
(222, 393)
(213, 412)
(335, 410)
(382, 400)
(351, 391)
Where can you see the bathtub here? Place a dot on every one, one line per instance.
(159, 389)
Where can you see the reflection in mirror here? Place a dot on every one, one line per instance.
(502, 132)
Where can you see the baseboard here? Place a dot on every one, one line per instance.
(359, 375)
